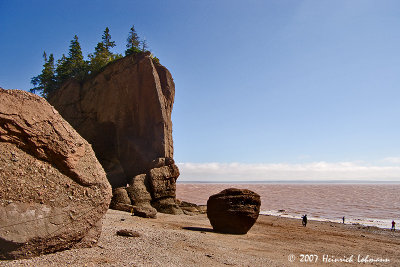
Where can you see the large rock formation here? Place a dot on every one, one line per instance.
(156, 189)
(233, 210)
(125, 113)
(53, 191)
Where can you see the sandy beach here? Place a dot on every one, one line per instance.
(182, 240)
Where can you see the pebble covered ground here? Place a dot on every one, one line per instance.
(183, 240)
(161, 243)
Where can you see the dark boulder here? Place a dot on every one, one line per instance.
(233, 210)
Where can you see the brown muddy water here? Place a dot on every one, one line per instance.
(367, 204)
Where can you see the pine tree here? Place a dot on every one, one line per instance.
(75, 60)
(49, 78)
(45, 56)
(75, 51)
(99, 58)
(102, 54)
(107, 40)
(144, 45)
(74, 65)
(45, 83)
(133, 42)
(63, 70)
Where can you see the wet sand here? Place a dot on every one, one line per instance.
(369, 204)
(183, 240)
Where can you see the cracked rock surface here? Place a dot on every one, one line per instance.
(53, 191)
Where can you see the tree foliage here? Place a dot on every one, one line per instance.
(144, 45)
(99, 58)
(133, 42)
(63, 70)
(45, 82)
(107, 39)
(102, 54)
(75, 66)
(134, 45)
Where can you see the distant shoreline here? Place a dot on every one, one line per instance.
(364, 222)
(360, 203)
(291, 182)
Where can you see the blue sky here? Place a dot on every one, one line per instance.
(264, 89)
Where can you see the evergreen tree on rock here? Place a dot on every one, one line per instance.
(63, 70)
(73, 66)
(133, 42)
(102, 55)
(45, 82)
(75, 59)
(99, 58)
(107, 40)
(144, 45)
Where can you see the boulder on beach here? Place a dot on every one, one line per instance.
(124, 111)
(128, 233)
(233, 211)
(53, 191)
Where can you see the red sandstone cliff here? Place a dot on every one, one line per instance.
(125, 113)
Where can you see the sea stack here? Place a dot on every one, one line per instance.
(124, 111)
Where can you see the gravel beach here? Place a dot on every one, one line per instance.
(182, 240)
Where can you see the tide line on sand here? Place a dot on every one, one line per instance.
(380, 223)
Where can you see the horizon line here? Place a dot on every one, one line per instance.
(291, 182)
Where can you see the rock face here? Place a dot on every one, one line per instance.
(122, 201)
(233, 210)
(53, 191)
(120, 196)
(125, 113)
(148, 192)
(162, 181)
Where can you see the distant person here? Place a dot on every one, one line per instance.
(393, 226)
(304, 222)
(343, 219)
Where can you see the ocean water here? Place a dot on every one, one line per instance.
(366, 204)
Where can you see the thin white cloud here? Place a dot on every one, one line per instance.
(392, 160)
(283, 171)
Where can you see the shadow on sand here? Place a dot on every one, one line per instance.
(199, 229)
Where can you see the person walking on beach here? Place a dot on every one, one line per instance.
(304, 222)
(393, 226)
(343, 219)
